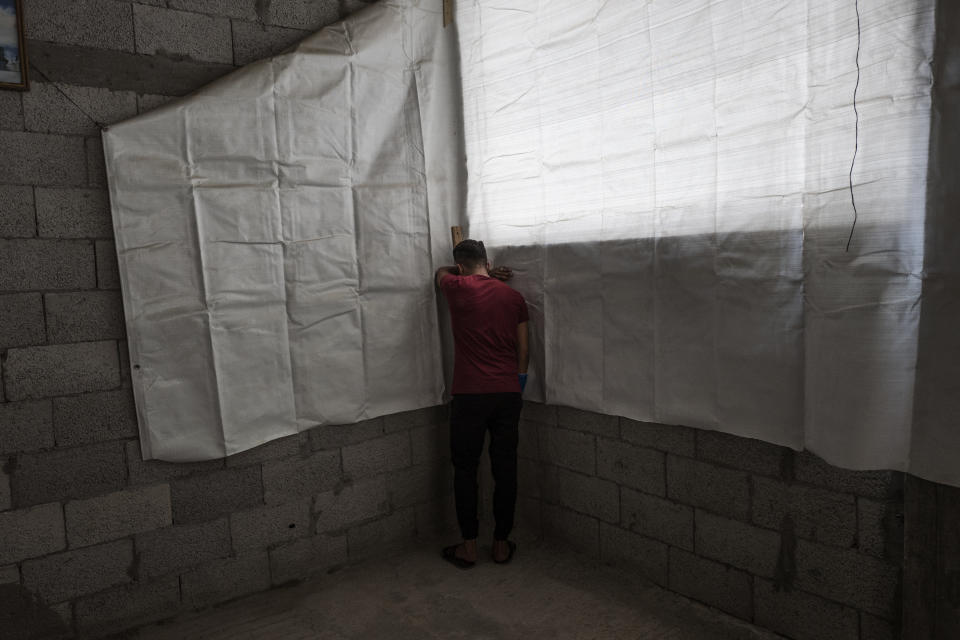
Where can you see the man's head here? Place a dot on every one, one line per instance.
(471, 257)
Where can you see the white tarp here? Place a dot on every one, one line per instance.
(276, 232)
(668, 178)
(670, 181)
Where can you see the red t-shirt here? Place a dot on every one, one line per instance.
(485, 314)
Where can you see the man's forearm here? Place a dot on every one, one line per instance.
(444, 271)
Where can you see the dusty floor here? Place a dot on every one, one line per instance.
(546, 592)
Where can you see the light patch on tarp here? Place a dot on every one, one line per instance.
(276, 232)
(669, 179)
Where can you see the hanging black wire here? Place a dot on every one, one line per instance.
(856, 129)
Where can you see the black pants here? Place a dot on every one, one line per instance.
(471, 415)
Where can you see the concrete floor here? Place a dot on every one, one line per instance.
(546, 592)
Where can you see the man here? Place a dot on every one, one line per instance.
(489, 373)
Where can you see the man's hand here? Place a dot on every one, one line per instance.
(501, 273)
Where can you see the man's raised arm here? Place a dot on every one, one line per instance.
(442, 272)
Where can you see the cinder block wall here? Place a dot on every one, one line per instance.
(92, 539)
(768, 535)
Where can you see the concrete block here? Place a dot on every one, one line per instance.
(849, 577)
(880, 528)
(29, 533)
(587, 494)
(222, 580)
(622, 548)
(11, 111)
(430, 444)
(744, 546)
(284, 480)
(580, 532)
(280, 448)
(39, 158)
(96, 174)
(104, 106)
(211, 495)
(108, 271)
(380, 455)
(173, 549)
(266, 526)
(46, 264)
(528, 478)
(711, 583)
(73, 213)
(306, 557)
(94, 417)
(873, 628)
(21, 320)
(167, 32)
(418, 484)
(17, 216)
(117, 515)
(664, 437)
(540, 413)
(632, 466)
(71, 574)
(150, 471)
(870, 484)
(148, 102)
(335, 436)
(748, 454)
(48, 109)
(528, 522)
(37, 372)
(340, 508)
(6, 498)
(310, 15)
(10, 575)
(382, 535)
(588, 421)
(124, 350)
(253, 41)
(569, 449)
(122, 71)
(817, 514)
(528, 445)
(64, 474)
(657, 518)
(407, 420)
(800, 615)
(242, 9)
(84, 316)
(127, 607)
(26, 617)
(101, 24)
(27, 426)
(701, 484)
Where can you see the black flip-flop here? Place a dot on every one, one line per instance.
(450, 555)
(513, 547)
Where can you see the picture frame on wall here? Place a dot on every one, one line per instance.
(13, 52)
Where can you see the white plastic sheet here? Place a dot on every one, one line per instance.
(670, 181)
(276, 232)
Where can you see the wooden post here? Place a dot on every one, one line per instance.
(456, 234)
(447, 12)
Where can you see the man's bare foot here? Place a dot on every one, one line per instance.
(502, 551)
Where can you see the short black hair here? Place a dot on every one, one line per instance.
(470, 253)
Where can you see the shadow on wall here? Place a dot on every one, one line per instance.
(23, 617)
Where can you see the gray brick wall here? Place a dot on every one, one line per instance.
(775, 537)
(93, 539)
